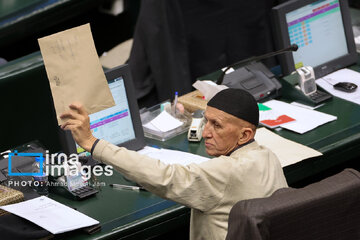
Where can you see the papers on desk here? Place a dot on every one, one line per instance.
(271, 118)
(172, 156)
(343, 75)
(305, 119)
(287, 151)
(50, 215)
(163, 122)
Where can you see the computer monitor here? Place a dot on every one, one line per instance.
(120, 124)
(322, 30)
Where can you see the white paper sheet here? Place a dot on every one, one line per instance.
(306, 119)
(343, 75)
(172, 156)
(50, 215)
(287, 151)
(163, 122)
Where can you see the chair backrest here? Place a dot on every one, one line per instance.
(177, 41)
(27, 111)
(329, 209)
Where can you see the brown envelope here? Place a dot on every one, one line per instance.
(74, 71)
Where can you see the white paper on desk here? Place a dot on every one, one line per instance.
(343, 75)
(208, 88)
(172, 156)
(163, 122)
(50, 215)
(74, 71)
(287, 151)
(306, 119)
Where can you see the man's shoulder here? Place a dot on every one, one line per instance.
(253, 149)
(252, 146)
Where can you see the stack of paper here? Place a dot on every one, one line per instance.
(163, 122)
(303, 120)
(271, 118)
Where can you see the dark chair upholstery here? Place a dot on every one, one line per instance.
(27, 110)
(176, 41)
(326, 210)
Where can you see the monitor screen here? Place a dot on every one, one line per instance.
(321, 29)
(120, 124)
(114, 124)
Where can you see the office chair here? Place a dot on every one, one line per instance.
(326, 210)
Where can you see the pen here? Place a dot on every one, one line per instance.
(127, 187)
(175, 101)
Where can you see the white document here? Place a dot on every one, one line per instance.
(50, 215)
(343, 75)
(287, 151)
(306, 119)
(163, 122)
(172, 156)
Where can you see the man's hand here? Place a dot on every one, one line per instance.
(78, 122)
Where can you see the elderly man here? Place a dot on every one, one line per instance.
(240, 170)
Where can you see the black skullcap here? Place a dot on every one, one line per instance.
(238, 103)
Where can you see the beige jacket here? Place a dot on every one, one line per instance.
(210, 189)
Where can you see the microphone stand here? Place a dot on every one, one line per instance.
(292, 48)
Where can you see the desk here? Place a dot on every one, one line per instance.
(127, 214)
(140, 215)
(132, 215)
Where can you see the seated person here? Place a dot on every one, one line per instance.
(240, 170)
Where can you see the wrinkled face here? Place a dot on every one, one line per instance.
(221, 133)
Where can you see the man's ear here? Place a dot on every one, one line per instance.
(246, 135)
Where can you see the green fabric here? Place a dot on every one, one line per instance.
(7, 8)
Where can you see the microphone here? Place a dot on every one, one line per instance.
(293, 48)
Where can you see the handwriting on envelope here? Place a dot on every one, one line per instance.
(74, 71)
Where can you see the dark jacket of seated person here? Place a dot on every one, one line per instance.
(241, 169)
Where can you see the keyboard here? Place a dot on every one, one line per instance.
(319, 97)
(83, 192)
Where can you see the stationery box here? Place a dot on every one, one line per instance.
(193, 101)
(9, 196)
(163, 111)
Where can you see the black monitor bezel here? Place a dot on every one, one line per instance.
(124, 71)
(282, 38)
